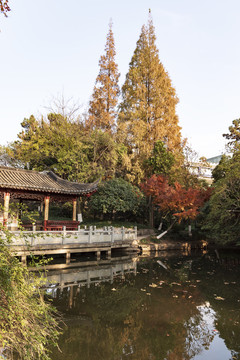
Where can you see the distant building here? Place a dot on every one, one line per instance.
(214, 160)
(203, 169)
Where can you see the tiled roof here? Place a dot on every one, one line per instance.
(46, 181)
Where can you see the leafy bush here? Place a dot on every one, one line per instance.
(116, 198)
(223, 217)
(27, 324)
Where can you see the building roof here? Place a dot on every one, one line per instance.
(215, 159)
(44, 182)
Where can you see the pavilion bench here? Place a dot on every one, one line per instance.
(58, 225)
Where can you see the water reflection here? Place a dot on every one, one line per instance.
(172, 307)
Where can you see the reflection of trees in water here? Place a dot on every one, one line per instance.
(221, 279)
(169, 324)
(199, 331)
(127, 322)
(228, 325)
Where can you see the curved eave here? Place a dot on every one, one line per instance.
(48, 190)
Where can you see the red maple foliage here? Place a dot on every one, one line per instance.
(175, 199)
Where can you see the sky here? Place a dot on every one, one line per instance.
(52, 47)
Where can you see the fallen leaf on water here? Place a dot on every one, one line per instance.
(113, 289)
(148, 293)
(153, 285)
(175, 296)
(143, 289)
(219, 298)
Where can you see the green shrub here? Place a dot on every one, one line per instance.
(116, 198)
(27, 323)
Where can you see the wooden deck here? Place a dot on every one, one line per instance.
(92, 240)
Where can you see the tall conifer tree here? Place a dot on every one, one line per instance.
(102, 106)
(147, 112)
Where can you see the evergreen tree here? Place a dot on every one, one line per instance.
(233, 135)
(161, 160)
(147, 112)
(102, 107)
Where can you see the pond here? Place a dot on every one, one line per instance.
(174, 306)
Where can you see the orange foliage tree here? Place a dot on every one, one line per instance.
(102, 106)
(147, 112)
(175, 200)
(4, 7)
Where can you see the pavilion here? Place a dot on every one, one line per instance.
(19, 184)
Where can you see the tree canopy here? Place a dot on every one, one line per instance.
(65, 147)
(223, 218)
(102, 106)
(233, 135)
(148, 108)
(161, 160)
(4, 7)
(175, 200)
(116, 197)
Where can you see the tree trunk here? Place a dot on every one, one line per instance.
(160, 226)
(166, 231)
(151, 213)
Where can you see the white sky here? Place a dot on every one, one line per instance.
(52, 46)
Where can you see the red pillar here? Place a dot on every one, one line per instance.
(74, 209)
(6, 208)
(46, 211)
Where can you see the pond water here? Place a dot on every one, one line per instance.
(172, 307)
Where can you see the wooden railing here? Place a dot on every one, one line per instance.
(50, 225)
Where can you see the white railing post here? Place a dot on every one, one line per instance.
(135, 232)
(33, 236)
(123, 233)
(90, 234)
(112, 234)
(101, 235)
(64, 232)
(79, 228)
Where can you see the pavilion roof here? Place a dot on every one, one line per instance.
(44, 182)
